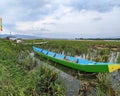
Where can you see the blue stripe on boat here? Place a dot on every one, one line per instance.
(85, 62)
(70, 58)
(37, 49)
(52, 54)
(44, 52)
(59, 56)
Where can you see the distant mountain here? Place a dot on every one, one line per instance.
(19, 36)
(46, 37)
(26, 36)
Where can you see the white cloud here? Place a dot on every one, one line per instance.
(83, 24)
(24, 26)
(34, 26)
(79, 18)
(77, 23)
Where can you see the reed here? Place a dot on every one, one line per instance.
(93, 50)
(104, 86)
(19, 75)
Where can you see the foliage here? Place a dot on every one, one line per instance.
(118, 60)
(104, 87)
(19, 75)
(93, 50)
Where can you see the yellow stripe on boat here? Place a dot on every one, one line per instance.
(113, 67)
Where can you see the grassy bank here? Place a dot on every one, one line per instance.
(19, 75)
(101, 85)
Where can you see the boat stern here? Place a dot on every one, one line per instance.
(113, 67)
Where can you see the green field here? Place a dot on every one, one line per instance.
(96, 50)
(99, 50)
(19, 75)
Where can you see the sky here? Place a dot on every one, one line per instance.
(61, 18)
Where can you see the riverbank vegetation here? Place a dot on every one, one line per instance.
(100, 51)
(20, 75)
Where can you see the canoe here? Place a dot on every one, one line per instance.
(77, 63)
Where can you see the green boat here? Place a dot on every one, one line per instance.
(77, 63)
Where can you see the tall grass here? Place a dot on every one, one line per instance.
(93, 50)
(104, 87)
(98, 50)
(19, 75)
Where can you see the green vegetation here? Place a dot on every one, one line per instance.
(118, 60)
(93, 50)
(19, 75)
(104, 85)
(99, 51)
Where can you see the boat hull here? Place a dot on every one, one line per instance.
(81, 67)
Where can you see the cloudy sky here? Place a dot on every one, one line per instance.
(61, 18)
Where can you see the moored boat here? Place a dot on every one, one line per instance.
(77, 63)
